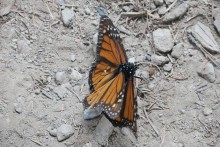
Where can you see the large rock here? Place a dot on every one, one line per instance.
(103, 131)
(203, 35)
(64, 132)
(217, 19)
(163, 40)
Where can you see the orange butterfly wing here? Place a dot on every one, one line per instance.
(110, 54)
(106, 82)
(110, 89)
(128, 114)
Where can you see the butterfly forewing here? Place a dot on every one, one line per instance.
(110, 54)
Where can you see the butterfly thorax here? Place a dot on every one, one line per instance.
(128, 69)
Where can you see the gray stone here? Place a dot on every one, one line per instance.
(128, 133)
(159, 60)
(168, 2)
(22, 46)
(203, 35)
(61, 91)
(167, 67)
(103, 131)
(75, 75)
(87, 11)
(177, 12)
(217, 20)
(158, 2)
(18, 108)
(126, 8)
(162, 10)
(6, 7)
(73, 57)
(207, 71)
(64, 132)
(140, 58)
(60, 2)
(163, 40)
(95, 39)
(131, 60)
(67, 17)
(207, 111)
(60, 77)
(91, 113)
(52, 131)
(177, 50)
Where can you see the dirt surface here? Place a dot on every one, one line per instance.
(183, 108)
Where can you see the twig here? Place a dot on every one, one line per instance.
(151, 123)
(51, 15)
(163, 138)
(47, 94)
(75, 94)
(66, 5)
(139, 14)
(171, 6)
(37, 142)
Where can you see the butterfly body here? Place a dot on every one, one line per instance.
(128, 69)
(111, 79)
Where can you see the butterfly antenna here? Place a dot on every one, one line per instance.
(100, 11)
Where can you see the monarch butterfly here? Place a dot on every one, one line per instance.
(111, 78)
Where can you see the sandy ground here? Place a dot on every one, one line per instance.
(35, 45)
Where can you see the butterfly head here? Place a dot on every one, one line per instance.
(128, 69)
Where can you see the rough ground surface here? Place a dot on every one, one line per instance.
(43, 64)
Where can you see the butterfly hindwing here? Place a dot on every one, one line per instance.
(128, 114)
(109, 96)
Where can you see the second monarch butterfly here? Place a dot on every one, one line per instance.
(111, 79)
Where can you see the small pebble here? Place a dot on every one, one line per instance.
(22, 46)
(162, 10)
(131, 60)
(207, 71)
(159, 60)
(158, 2)
(88, 11)
(167, 67)
(207, 111)
(73, 57)
(64, 132)
(91, 113)
(67, 17)
(75, 75)
(60, 77)
(163, 40)
(177, 50)
(18, 108)
(168, 2)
